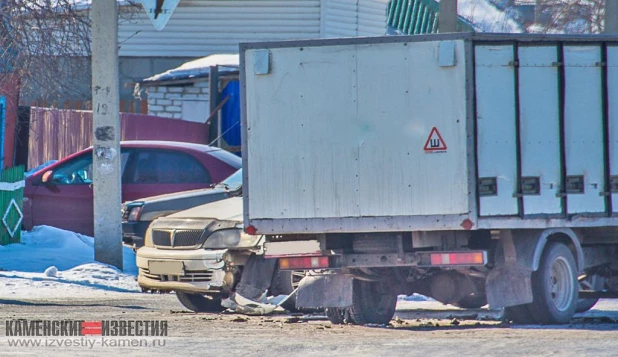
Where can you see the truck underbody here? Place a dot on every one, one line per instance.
(554, 272)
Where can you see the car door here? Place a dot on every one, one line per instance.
(67, 200)
(157, 171)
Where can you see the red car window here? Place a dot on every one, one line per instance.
(79, 170)
(154, 166)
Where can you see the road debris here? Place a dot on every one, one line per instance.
(240, 319)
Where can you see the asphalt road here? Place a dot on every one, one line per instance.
(419, 329)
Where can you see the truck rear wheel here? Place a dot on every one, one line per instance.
(199, 303)
(554, 286)
(372, 303)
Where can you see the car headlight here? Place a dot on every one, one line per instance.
(134, 213)
(148, 238)
(231, 238)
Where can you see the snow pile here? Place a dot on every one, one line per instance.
(52, 262)
(414, 297)
(46, 246)
(200, 68)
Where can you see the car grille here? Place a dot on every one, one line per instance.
(177, 238)
(189, 276)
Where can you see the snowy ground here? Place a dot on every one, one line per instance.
(54, 263)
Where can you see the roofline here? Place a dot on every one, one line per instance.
(171, 82)
(473, 36)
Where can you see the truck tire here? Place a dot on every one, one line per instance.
(199, 302)
(519, 315)
(592, 282)
(336, 315)
(283, 283)
(554, 286)
(372, 303)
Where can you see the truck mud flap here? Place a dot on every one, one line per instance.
(325, 291)
(509, 286)
(509, 283)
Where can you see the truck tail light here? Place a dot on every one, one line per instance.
(251, 230)
(463, 258)
(303, 263)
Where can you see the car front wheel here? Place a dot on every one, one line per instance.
(199, 302)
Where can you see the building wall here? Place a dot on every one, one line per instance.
(189, 102)
(352, 18)
(200, 28)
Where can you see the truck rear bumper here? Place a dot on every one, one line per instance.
(385, 260)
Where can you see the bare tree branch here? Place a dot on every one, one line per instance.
(47, 43)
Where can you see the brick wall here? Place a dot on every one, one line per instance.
(187, 102)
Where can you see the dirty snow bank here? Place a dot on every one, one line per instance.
(52, 262)
(414, 297)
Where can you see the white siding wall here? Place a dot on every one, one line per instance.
(199, 28)
(339, 18)
(372, 17)
(351, 18)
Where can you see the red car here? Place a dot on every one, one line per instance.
(60, 195)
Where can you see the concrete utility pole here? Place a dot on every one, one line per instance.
(611, 16)
(106, 138)
(447, 17)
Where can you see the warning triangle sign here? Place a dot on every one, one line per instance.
(434, 142)
(159, 11)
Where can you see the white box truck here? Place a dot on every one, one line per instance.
(470, 168)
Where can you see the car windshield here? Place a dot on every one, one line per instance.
(233, 182)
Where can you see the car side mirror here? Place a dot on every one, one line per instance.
(47, 177)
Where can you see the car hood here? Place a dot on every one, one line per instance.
(229, 209)
(181, 195)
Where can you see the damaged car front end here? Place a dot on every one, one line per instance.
(195, 254)
(200, 254)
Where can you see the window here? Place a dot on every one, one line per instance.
(79, 170)
(153, 166)
(75, 172)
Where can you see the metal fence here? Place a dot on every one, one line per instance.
(55, 133)
(11, 204)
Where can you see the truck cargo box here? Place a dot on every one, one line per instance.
(438, 132)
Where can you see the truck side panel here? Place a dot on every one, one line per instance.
(337, 131)
(612, 84)
(584, 128)
(497, 145)
(540, 127)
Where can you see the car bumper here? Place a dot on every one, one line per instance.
(133, 232)
(203, 270)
